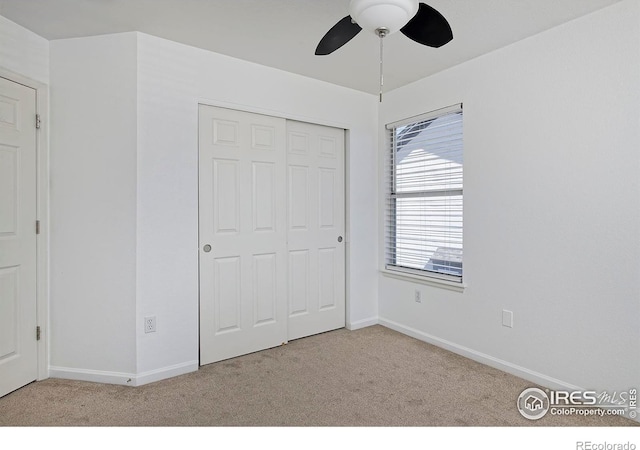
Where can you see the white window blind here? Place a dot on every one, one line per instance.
(423, 217)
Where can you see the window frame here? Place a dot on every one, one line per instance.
(390, 195)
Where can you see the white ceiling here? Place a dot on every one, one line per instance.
(284, 33)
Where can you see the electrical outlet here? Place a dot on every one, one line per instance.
(417, 295)
(150, 324)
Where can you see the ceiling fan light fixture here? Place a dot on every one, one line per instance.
(391, 15)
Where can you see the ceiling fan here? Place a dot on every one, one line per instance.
(418, 21)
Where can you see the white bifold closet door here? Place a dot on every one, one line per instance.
(271, 193)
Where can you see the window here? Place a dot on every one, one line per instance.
(423, 212)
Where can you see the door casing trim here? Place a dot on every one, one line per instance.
(42, 214)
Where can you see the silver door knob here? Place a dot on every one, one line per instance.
(339, 238)
(206, 248)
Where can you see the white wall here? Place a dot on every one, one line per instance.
(552, 139)
(93, 206)
(172, 79)
(125, 195)
(23, 52)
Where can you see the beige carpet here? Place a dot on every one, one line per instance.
(370, 377)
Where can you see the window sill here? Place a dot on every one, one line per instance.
(426, 280)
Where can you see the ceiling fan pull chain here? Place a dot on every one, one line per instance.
(381, 69)
(381, 32)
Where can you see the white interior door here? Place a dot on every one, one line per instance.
(316, 225)
(243, 219)
(18, 346)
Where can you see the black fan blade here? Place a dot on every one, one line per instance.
(428, 27)
(337, 36)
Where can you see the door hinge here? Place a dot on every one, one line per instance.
(37, 227)
(37, 333)
(37, 121)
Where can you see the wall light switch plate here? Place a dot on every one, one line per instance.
(507, 318)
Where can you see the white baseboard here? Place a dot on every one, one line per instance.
(513, 369)
(166, 372)
(95, 376)
(125, 379)
(362, 323)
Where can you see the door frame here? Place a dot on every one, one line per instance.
(347, 180)
(42, 214)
